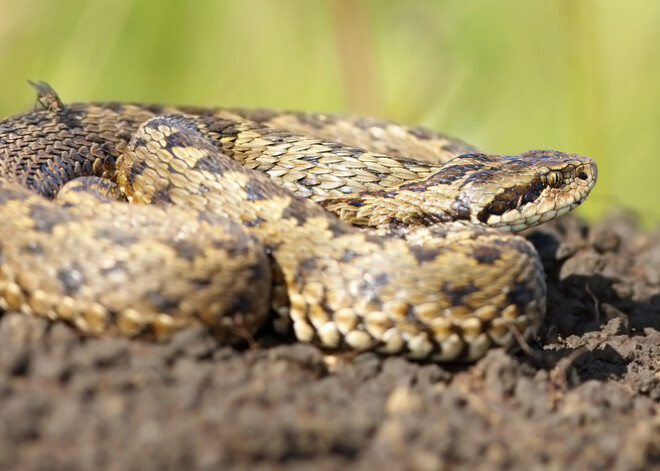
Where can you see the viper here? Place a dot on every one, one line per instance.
(140, 220)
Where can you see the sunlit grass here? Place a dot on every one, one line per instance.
(508, 75)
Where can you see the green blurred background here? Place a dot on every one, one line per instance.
(507, 75)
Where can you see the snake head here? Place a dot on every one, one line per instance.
(519, 191)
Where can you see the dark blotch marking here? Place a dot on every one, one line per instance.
(241, 305)
(178, 139)
(457, 294)
(532, 191)
(347, 256)
(162, 303)
(421, 133)
(486, 255)
(512, 198)
(139, 141)
(417, 187)
(292, 212)
(455, 146)
(364, 123)
(316, 121)
(519, 244)
(71, 280)
(382, 279)
(236, 247)
(355, 202)
(201, 283)
(336, 227)
(115, 106)
(424, 254)
(460, 209)
(222, 127)
(256, 222)
(136, 169)
(46, 218)
(162, 196)
(449, 175)
(428, 219)
(276, 136)
(12, 193)
(187, 250)
(307, 265)
(255, 190)
(212, 165)
(520, 294)
(153, 108)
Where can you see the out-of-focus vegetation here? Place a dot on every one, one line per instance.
(507, 75)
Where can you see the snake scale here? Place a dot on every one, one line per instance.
(140, 220)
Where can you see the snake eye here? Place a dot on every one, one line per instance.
(555, 179)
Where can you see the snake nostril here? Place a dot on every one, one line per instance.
(583, 176)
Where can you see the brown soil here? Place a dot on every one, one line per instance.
(585, 395)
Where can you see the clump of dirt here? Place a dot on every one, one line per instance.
(584, 395)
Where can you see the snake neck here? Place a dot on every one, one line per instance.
(399, 208)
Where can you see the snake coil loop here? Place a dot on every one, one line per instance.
(140, 220)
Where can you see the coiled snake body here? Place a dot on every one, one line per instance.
(226, 233)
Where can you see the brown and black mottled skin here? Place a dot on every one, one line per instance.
(187, 215)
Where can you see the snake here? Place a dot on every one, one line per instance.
(354, 233)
